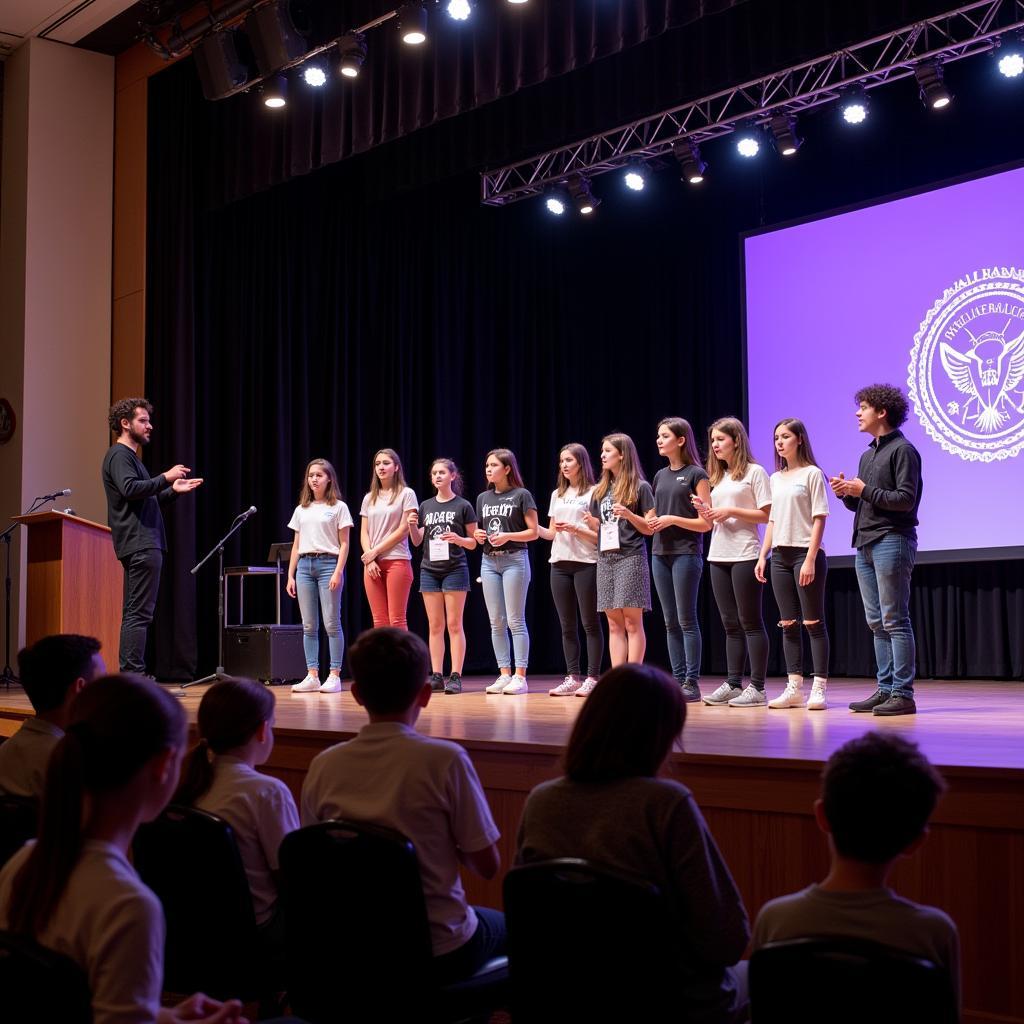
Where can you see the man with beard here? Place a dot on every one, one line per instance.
(136, 523)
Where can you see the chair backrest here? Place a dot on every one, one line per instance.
(845, 981)
(19, 822)
(357, 934)
(587, 943)
(191, 861)
(38, 984)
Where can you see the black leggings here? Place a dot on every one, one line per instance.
(798, 603)
(574, 584)
(738, 596)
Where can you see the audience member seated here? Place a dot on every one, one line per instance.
(236, 733)
(53, 670)
(74, 891)
(613, 807)
(426, 789)
(878, 792)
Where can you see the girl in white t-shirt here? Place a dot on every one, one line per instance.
(574, 569)
(741, 498)
(793, 536)
(74, 890)
(384, 537)
(316, 570)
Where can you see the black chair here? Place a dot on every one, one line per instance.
(191, 861)
(40, 985)
(587, 943)
(358, 937)
(19, 821)
(846, 981)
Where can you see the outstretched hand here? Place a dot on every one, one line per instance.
(183, 484)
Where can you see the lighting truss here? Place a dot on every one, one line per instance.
(961, 32)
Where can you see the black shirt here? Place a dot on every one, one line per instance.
(673, 489)
(504, 513)
(437, 517)
(891, 471)
(133, 502)
(630, 538)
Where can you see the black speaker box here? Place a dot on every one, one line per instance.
(221, 70)
(264, 652)
(274, 38)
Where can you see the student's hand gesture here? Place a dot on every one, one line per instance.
(592, 522)
(715, 515)
(372, 569)
(480, 536)
(451, 538)
(369, 556)
(657, 523)
(413, 518)
(177, 472)
(182, 485)
(290, 587)
(498, 539)
(759, 570)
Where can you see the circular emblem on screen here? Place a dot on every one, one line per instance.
(966, 373)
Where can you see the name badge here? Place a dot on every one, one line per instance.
(609, 536)
(440, 551)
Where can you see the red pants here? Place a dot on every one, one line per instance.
(389, 594)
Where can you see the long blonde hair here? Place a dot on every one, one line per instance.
(332, 493)
(582, 457)
(625, 485)
(743, 459)
(804, 452)
(681, 428)
(399, 479)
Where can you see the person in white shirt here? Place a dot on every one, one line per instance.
(53, 671)
(424, 788)
(741, 498)
(799, 568)
(236, 733)
(384, 538)
(316, 571)
(74, 890)
(574, 569)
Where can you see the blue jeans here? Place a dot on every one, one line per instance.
(677, 579)
(311, 583)
(506, 579)
(488, 941)
(883, 572)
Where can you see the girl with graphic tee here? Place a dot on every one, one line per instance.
(316, 570)
(447, 521)
(618, 505)
(574, 569)
(793, 536)
(383, 536)
(741, 498)
(506, 522)
(678, 547)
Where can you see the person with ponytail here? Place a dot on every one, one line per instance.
(236, 733)
(73, 890)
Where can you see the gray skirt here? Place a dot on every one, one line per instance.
(623, 580)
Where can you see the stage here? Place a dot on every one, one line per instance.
(755, 774)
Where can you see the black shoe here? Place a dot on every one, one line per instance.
(896, 705)
(878, 697)
(436, 682)
(453, 684)
(691, 691)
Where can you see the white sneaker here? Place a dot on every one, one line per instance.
(308, 685)
(791, 697)
(586, 687)
(497, 686)
(566, 688)
(751, 697)
(723, 694)
(518, 685)
(817, 701)
(332, 685)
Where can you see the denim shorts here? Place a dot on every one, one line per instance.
(451, 580)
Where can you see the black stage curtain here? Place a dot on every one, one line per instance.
(346, 311)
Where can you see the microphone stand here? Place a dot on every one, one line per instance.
(218, 548)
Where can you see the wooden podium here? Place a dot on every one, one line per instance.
(75, 583)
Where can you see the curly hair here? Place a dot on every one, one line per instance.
(125, 410)
(887, 397)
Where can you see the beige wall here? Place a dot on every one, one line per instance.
(55, 277)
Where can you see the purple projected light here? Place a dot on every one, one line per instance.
(927, 293)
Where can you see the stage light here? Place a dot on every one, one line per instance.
(933, 91)
(853, 104)
(276, 42)
(554, 202)
(459, 10)
(314, 75)
(352, 50)
(1011, 56)
(687, 152)
(635, 176)
(783, 127)
(518, 1)
(274, 92)
(412, 24)
(583, 199)
(748, 143)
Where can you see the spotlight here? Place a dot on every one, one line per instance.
(748, 143)
(783, 127)
(518, 1)
(687, 152)
(554, 202)
(1011, 57)
(314, 75)
(583, 199)
(635, 176)
(352, 50)
(412, 24)
(459, 10)
(275, 92)
(853, 104)
(934, 93)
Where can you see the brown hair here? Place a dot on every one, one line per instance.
(125, 410)
(887, 397)
(399, 478)
(743, 459)
(624, 486)
(449, 464)
(332, 494)
(507, 458)
(582, 457)
(804, 452)
(681, 428)
(389, 667)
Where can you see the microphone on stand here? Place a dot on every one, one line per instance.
(251, 510)
(56, 494)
